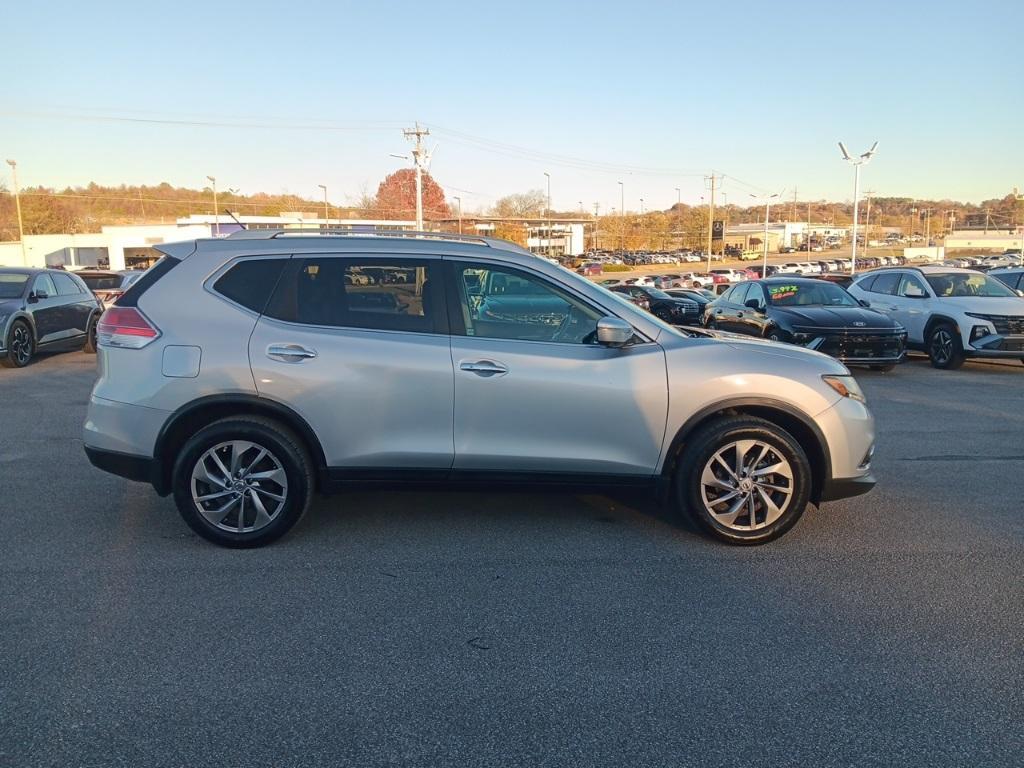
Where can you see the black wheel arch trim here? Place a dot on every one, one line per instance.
(936, 320)
(740, 404)
(232, 405)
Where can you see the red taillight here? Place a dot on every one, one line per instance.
(125, 327)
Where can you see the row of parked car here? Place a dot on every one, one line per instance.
(54, 310)
(872, 319)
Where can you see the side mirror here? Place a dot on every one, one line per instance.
(1020, 291)
(754, 304)
(613, 332)
(864, 302)
(37, 295)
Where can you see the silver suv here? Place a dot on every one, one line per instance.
(245, 374)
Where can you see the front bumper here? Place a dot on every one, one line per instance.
(997, 345)
(834, 489)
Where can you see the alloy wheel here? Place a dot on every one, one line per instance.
(21, 344)
(942, 346)
(239, 486)
(747, 485)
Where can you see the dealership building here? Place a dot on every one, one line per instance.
(133, 246)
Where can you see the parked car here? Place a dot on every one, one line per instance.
(44, 310)
(787, 249)
(590, 268)
(1013, 277)
(952, 314)
(730, 275)
(813, 313)
(755, 272)
(692, 258)
(673, 310)
(107, 285)
(838, 278)
(698, 295)
(298, 391)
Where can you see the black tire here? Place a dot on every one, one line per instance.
(282, 444)
(90, 336)
(21, 346)
(699, 451)
(945, 350)
(883, 368)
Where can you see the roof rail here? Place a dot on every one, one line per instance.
(273, 234)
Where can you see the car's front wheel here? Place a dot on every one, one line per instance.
(743, 479)
(242, 481)
(91, 340)
(21, 346)
(945, 349)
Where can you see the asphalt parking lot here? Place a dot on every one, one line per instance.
(477, 629)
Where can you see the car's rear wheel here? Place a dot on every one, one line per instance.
(944, 347)
(21, 346)
(242, 481)
(91, 336)
(744, 480)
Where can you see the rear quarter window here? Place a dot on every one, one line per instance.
(250, 282)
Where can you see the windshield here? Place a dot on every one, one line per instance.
(809, 294)
(12, 285)
(952, 284)
(102, 282)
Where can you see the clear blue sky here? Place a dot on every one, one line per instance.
(759, 91)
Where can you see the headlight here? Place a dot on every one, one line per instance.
(846, 386)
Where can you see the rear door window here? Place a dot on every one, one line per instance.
(65, 285)
(250, 282)
(387, 294)
(886, 283)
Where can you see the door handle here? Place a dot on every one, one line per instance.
(290, 353)
(483, 368)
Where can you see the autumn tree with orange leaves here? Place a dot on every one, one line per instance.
(396, 196)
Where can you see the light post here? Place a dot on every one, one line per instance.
(622, 214)
(856, 163)
(548, 211)
(767, 210)
(679, 196)
(867, 222)
(327, 210)
(459, 201)
(216, 218)
(17, 206)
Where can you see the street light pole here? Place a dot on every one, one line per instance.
(856, 163)
(459, 201)
(17, 206)
(622, 215)
(767, 213)
(216, 217)
(548, 177)
(327, 210)
(679, 196)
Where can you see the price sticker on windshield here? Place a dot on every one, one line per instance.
(782, 291)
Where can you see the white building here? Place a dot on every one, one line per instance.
(992, 240)
(131, 247)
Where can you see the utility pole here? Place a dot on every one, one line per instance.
(927, 227)
(597, 209)
(17, 205)
(807, 234)
(711, 215)
(792, 210)
(459, 201)
(421, 158)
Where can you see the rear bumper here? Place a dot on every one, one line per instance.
(141, 469)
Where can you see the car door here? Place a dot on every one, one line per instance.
(76, 305)
(881, 292)
(45, 306)
(913, 305)
(735, 310)
(534, 392)
(753, 320)
(358, 347)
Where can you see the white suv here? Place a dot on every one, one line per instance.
(950, 313)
